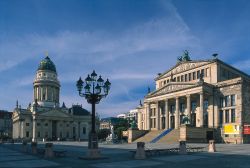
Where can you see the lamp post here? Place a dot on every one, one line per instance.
(94, 90)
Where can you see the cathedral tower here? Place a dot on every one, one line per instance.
(46, 85)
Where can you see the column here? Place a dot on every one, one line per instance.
(216, 111)
(211, 112)
(34, 129)
(188, 107)
(157, 113)
(46, 96)
(177, 113)
(139, 120)
(20, 125)
(22, 134)
(148, 126)
(201, 110)
(166, 115)
(39, 93)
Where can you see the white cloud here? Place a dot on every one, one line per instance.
(130, 58)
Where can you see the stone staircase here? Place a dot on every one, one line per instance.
(172, 137)
(149, 136)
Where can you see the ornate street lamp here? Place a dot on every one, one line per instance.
(94, 90)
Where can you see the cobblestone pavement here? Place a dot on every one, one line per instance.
(118, 156)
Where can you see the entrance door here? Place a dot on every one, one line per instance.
(172, 124)
(54, 130)
(163, 122)
(193, 120)
(210, 135)
(205, 120)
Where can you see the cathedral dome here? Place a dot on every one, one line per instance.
(47, 64)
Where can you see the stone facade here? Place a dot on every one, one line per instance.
(44, 119)
(204, 94)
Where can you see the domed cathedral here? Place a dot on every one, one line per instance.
(46, 84)
(44, 119)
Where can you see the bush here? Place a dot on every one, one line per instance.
(103, 134)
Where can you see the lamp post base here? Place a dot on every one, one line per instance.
(93, 151)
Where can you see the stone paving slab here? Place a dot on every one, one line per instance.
(16, 158)
(179, 158)
(10, 154)
(28, 164)
(127, 164)
(13, 159)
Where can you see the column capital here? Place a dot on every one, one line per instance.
(201, 93)
(188, 95)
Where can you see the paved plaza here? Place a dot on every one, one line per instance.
(228, 156)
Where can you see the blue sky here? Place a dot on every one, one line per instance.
(128, 41)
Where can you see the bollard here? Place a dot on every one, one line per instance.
(49, 150)
(140, 151)
(34, 147)
(211, 146)
(183, 148)
(24, 147)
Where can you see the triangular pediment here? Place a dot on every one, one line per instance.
(183, 66)
(172, 87)
(54, 113)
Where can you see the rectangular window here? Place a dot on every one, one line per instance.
(202, 73)
(198, 74)
(227, 116)
(232, 100)
(221, 102)
(67, 135)
(182, 107)
(38, 134)
(84, 130)
(186, 78)
(167, 80)
(27, 134)
(226, 101)
(182, 78)
(174, 79)
(232, 115)
(172, 108)
(164, 82)
(178, 79)
(189, 77)
(27, 124)
(193, 106)
(194, 75)
(221, 117)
